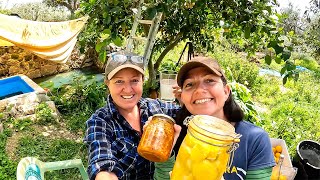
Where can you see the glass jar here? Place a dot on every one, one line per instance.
(207, 149)
(157, 139)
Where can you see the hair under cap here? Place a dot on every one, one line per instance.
(199, 61)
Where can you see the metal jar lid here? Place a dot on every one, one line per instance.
(165, 116)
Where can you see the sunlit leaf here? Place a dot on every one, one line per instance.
(117, 41)
(278, 60)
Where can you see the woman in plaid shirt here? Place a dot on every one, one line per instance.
(114, 131)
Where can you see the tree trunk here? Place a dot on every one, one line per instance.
(173, 43)
(154, 68)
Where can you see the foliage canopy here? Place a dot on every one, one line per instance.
(194, 20)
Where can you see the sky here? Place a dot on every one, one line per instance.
(9, 3)
(299, 4)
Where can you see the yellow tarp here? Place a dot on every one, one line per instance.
(5, 43)
(49, 40)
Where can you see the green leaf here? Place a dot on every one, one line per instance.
(247, 31)
(272, 44)
(286, 55)
(103, 56)
(115, 9)
(117, 41)
(278, 49)
(267, 59)
(284, 80)
(92, 1)
(296, 76)
(99, 46)
(105, 34)
(290, 66)
(278, 60)
(283, 70)
(105, 14)
(106, 31)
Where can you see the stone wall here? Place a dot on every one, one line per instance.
(14, 60)
(24, 106)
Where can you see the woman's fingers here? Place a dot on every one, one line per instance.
(147, 122)
(177, 130)
(177, 93)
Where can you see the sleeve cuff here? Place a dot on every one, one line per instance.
(169, 163)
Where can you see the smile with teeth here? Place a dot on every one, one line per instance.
(127, 97)
(200, 101)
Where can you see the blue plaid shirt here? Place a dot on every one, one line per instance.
(113, 142)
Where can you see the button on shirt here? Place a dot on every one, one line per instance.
(112, 142)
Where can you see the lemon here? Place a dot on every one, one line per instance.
(279, 149)
(198, 154)
(282, 177)
(189, 141)
(213, 154)
(205, 170)
(184, 152)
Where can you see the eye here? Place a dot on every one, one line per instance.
(118, 81)
(135, 80)
(188, 85)
(209, 80)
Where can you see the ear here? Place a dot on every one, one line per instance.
(106, 82)
(227, 91)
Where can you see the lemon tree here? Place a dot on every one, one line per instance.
(195, 20)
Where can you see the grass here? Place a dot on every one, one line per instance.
(49, 150)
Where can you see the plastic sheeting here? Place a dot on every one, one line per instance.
(49, 40)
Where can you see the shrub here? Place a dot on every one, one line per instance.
(238, 69)
(78, 100)
(44, 114)
(40, 12)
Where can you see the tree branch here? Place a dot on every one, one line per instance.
(173, 43)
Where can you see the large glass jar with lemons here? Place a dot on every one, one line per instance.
(207, 150)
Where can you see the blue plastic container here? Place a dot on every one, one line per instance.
(13, 86)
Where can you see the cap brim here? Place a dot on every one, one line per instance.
(117, 69)
(190, 65)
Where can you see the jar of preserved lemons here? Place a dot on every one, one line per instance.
(157, 139)
(207, 150)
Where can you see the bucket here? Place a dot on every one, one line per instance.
(307, 160)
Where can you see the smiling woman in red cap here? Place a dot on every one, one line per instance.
(114, 131)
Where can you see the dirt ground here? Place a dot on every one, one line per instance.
(51, 132)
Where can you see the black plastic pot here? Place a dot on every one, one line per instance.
(307, 160)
